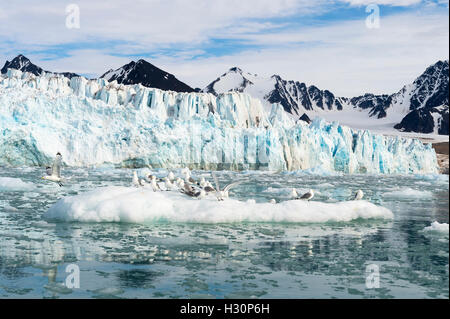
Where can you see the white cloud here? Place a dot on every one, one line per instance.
(150, 22)
(344, 57)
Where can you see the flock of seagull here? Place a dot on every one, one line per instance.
(186, 185)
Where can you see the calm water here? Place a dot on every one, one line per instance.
(240, 260)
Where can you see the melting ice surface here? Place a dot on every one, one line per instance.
(92, 122)
(189, 253)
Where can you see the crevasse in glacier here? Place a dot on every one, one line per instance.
(92, 122)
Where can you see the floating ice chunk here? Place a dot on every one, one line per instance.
(126, 204)
(407, 193)
(10, 184)
(437, 228)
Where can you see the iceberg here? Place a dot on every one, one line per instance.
(96, 122)
(138, 205)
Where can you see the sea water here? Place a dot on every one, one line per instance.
(400, 256)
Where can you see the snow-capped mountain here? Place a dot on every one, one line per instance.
(427, 98)
(145, 73)
(22, 63)
(295, 97)
(421, 106)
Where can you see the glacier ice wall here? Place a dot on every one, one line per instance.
(92, 122)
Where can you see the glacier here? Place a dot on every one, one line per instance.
(96, 122)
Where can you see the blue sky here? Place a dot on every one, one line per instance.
(325, 43)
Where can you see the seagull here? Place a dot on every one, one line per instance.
(190, 191)
(171, 176)
(308, 196)
(294, 194)
(54, 172)
(155, 186)
(168, 184)
(179, 182)
(208, 188)
(358, 195)
(272, 201)
(203, 183)
(135, 180)
(188, 178)
(221, 194)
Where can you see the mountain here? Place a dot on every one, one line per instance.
(24, 64)
(428, 103)
(421, 106)
(295, 97)
(148, 75)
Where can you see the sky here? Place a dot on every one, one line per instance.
(338, 45)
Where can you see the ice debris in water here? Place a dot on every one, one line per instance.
(437, 227)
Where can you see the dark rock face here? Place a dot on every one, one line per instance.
(145, 73)
(417, 121)
(305, 118)
(294, 96)
(376, 103)
(238, 88)
(23, 64)
(430, 96)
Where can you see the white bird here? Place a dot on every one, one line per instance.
(359, 195)
(171, 176)
(54, 172)
(221, 194)
(155, 186)
(208, 188)
(192, 192)
(308, 196)
(135, 181)
(272, 201)
(202, 182)
(294, 193)
(188, 179)
(179, 182)
(168, 184)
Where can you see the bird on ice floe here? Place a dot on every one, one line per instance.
(221, 194)
(294, 193)
(208, 188)
(135, 180)
(155, 185)
(187, 177)
(171, 176)
(358, 195)
(202, 183)
(272, 201)
(179, 182)
(54, 172)
(307, 196)
(192, 192)
(168, 184)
